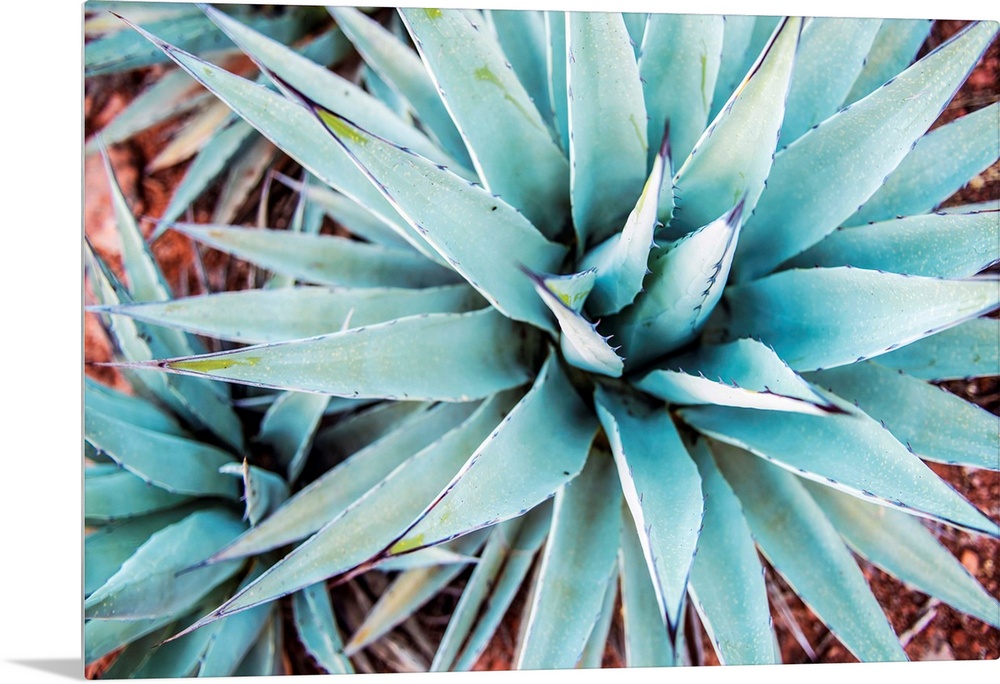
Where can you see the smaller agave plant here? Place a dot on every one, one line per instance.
(625, 303)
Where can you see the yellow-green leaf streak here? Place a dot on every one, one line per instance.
(342, 129)
(212, 364)
(484, 73)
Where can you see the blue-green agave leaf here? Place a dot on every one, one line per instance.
(265, 656)
(934, 245)
(137, 342)
(685, 283)
(727, 581)
(744, 373)
(288, 428)
(895, 46)
(322, 259)
(732, 159)
(518, 561)
(578, 561)
(849, 451)
(940, 164)
(331, 91)
(678, 65)
(348, 213)
(476, 591)
(366, 423)
(555, 61)
(620, 261)
(137, 653)
(206, 404)
(647, 643)
(736, 58)
(856, 148)
(899, 544)
(425, 558)
(178, 402)
(368, 526)
(825, 317)
(484, 351)
(146, 281)
(313, 213)
(399, 66)
(263, 491)
(230, 640)
(522, 36)
(307, 218)
(969, 350)
(593, 652)
(317, 629)
(382, 91)
(331, 494)
(125, 50)
(124, 332)
(140, 342)
(935, 424)
(831, 55)
(763, 29)
(291, 313)
(110, 494)
(541, 444)
(92, 456)
(178, 657)
(580, 343)
(176, 464)
(441, 206)
(148, 584)
(329, 48)
(105, 549)
(635, 24)
(293, 129)
(171, 95)
(491, 107)
(408, 592)
(607, 124)
(662, 489)
(135, 410)
(101, 637)
(140, 637)
(809, 553)
(228, 646)
(210, 161)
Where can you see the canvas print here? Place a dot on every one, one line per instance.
(451, 339)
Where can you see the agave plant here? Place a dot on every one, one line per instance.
(217, 142)
(631, 300)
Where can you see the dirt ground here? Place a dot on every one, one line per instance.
(931, 630)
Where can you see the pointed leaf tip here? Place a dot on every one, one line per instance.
(580, 342)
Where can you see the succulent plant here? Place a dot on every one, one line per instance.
(632, 300)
